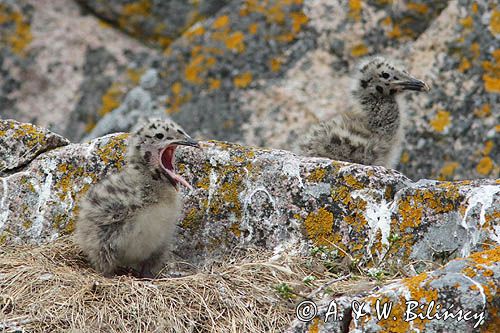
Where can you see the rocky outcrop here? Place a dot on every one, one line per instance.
(257, 73)
(461, 297)
(370, 218)
(271, 199)
(158, 22)
(62, 68)
(21, 143)
(221, 75)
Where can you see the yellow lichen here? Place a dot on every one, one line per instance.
(447, 170)
(235, 42)
(419, 8)
(441, 121)
(253, 28)
(319, 226)
(495, 22)
(488, 147)
(193, 69)
(464, 65)
(467, 22)
(405, 157)
(298, 20)
(111, 99)
(484, 166)
(135, 74)
(221, 22)
(355, 8)
(483, 112)
(21, 37)
(359, 50)
(317, 175)
(275, 64)
(243, 80)
(410, 212)
(214, 84)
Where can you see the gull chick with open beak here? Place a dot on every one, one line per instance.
(128, 219)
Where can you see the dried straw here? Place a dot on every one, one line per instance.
(51, 288)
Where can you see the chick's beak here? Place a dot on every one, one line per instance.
(413, 84)
(188, 142)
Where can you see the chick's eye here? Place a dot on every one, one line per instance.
(159, 136)
(385, 75)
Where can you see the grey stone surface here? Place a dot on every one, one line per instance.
(272, 199)
(465, 288)
(62, 68)
(158, 22)
(21, 143)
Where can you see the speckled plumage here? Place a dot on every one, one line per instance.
(372, 131)
(128, 219)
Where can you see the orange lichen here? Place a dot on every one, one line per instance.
(355, 8)
(487, 257)
(410, 212)
(395, 32)
(235, 42)
(495, 22)
(484, 166)
(359, 50)
(193, 69)
(467, 22)
(447, 170)
(214, 84)
(405, 157)
(235, 229)
(464, 65)
(441, 121)
(253, 28)
(243, 80)
(483, 112)
(488, 147)
(21, 37)
(319, 226)
(111, 99)
(275, 64)
(419, 8)
(317, 175)
(221, 22)
(298, 20)
(135, 74)
(491, 76)
(314, 327)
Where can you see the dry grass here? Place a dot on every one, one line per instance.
(51, 288)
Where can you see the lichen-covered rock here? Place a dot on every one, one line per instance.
(21, 143)
(271, 199)
(461, 297)
(158, 22)
(261, 73)
(63, 69)
(40, 202)
(454, 132)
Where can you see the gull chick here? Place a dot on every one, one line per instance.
(128, 219)
(372, 131)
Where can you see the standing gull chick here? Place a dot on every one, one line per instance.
(372, 131)
(128, 219)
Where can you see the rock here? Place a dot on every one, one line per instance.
(271, 199)
(466, 288)
(158, 22)
(21, 143)
(62, 68)
(454, 129)
(260, 75)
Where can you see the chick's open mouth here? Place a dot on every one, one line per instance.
(167, 158)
